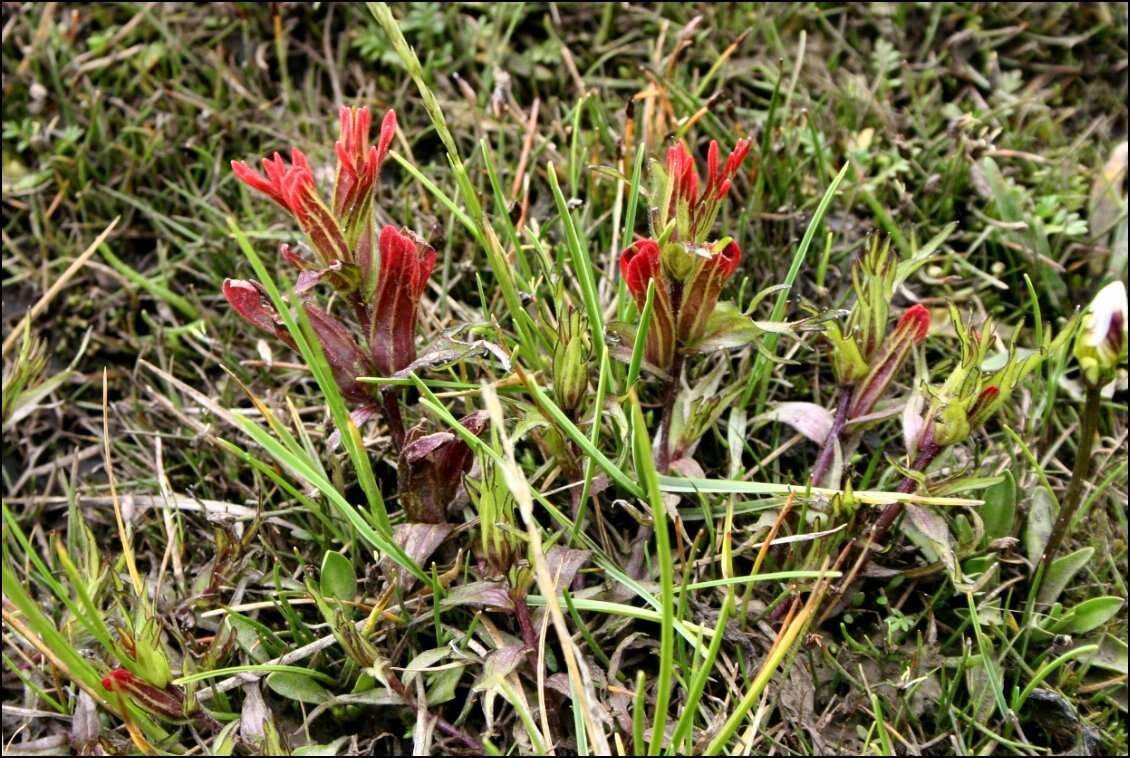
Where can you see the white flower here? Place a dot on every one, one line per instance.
(1101, 344)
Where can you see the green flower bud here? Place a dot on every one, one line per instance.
(150, 655)
(359, 649)
(847, 361)
(570, 363)
(495, 506)
(951, 424)
(678, 260)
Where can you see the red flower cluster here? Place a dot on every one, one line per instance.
(688, 273)
(701, 210)
(384, 295)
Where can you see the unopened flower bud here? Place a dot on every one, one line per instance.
(359, 649)
(150, 654)
(570, 363)
(911, 330)
(495, 506)
(847, 360)
(678, 260)
(167, 702)
(951, 425)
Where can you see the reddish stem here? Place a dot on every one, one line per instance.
(522, 611)
(926, 456)
(390, 405)
(828, 451)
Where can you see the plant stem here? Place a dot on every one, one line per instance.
(522, 611)
(1078, 475)
(926, 455)
(827, 452)
(390, 406)
(662, 459)
(442, 724)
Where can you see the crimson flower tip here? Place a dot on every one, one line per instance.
(639, 264)
(916, 318)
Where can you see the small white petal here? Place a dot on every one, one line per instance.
(1110, 300)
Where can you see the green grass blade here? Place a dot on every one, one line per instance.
(645, 469)
(758, 374)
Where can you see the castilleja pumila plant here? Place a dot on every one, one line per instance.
(381, 277)
(865, 357)
(689, 272)
(966, 401)
(383, 291)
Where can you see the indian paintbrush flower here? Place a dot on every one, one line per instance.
(292, 186)
(856, 343)
(383, 296)
(911, 330)
(965, 402)
(970, 396)
(355, 183)
(406, 263)
(677, 189)
(865, 358)
(1100, 345)
(688, 271)
(681, 309)
(701, 290)
(639, 265)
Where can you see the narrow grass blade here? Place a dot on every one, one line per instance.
(645, 469)
(761, 364)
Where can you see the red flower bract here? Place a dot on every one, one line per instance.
(681, 168)
(639, 264)
(694, 212)
(167, 703)
(292, 187)
(701, 291)
(911, 330)
(406, 263)
(917, 319)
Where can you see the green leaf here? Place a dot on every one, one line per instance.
(1111, 655)
(329, 748)
(1059, 574)
(337, 579)
(224, 742)
(645, 470)
(1041, 516)
(998, 514)
(297, 687)
(761, 363)
(443, 685)
(726, 329)
(1088, 615)
(980, 681)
